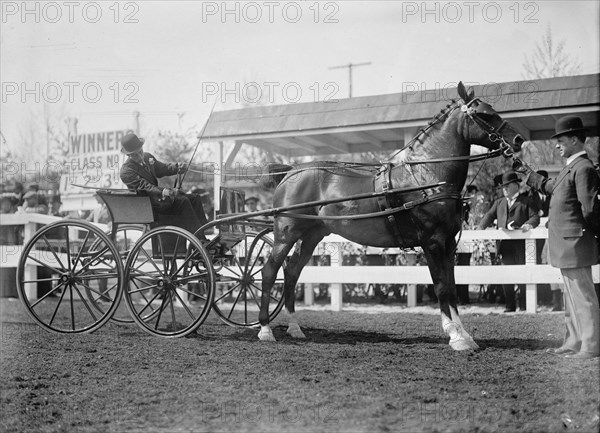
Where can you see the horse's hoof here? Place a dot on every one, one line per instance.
(266, 335)
(295, 331)
(461, 345)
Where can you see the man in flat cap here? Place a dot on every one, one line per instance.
(141, 171)
(572, 245)
(513, 211)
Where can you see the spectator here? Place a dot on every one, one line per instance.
(514, 211)
(55, 204)
(33, 203)
(8, 234)
(571, 242)
(251, 204)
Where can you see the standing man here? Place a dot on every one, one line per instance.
(141, 171)
(513, 211)
(572, 245)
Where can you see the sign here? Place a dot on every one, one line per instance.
(94, 160)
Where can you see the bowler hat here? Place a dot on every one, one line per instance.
(568, 125)
(509, 177)
(131, 143)
(251, 199)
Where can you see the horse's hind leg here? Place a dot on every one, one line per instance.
(299, 259)
(269, 275)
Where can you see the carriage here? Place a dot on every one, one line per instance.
(147, 271)
(169, 281)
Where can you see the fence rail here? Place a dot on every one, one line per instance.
(530, 274)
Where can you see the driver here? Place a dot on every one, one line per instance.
(141, 171)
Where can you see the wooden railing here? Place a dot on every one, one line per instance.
(530, 274)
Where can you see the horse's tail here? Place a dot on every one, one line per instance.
(276, 173)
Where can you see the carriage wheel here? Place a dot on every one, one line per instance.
(238, 298)
(70, 277)
(125, 238)
(170, 282)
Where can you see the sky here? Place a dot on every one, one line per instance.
(171, 61)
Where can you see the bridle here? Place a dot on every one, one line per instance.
(476, 109)
(493, 130)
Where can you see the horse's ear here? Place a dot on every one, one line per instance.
(471, 93)
(462, 92)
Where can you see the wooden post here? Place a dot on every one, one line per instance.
(411, 289)
(336, 291)
(531, 289)
(30, 272)
(309, 294)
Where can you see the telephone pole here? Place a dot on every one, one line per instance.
(350, 66)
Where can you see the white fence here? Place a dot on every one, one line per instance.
(529, 274)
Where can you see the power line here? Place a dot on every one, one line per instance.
(350, 66)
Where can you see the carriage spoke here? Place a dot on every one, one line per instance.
(149, 303)
(160, 310)
(237, 298)
(53, 252)
(257, 256)
(172, 307)
(72, 308)
(104, 276)
(93, 258)
(81, 249)
(48, 294)
(185, 307)
(254, 294)
(68, 250)
(85, 303)
(228, 292)
(62, 295)
(102, 294)
(54, 270)
(174, 259)
(143, 289)
(151, 261)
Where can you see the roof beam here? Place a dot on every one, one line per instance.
(369, 138)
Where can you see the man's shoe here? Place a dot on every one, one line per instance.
(582, 355)
(510, 310)
(559, 351)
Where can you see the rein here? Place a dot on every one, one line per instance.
(406, 206)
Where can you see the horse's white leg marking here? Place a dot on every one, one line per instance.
(465, 334)
(293, 327)
(454, 330)
(265, 333)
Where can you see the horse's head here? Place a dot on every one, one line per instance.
(485, 127)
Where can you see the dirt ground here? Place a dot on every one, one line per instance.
(355, 372)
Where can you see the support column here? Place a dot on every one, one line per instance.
(218, 178)
(531, 289)
(31, 290)
(336, 291)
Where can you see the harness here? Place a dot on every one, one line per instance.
(390, 203)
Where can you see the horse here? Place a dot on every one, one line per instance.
(436, 159)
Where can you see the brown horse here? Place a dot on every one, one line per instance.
(431, 218)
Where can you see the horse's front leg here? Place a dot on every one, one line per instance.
(440, 260)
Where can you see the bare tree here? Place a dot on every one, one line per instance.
(550, 59)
